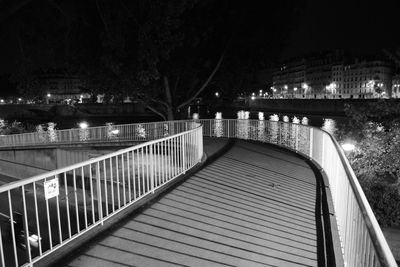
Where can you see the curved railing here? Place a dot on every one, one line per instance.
(111, 133)
(59, 206)
(362, 241)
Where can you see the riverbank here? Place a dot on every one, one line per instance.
(67, 116)
(326, 107)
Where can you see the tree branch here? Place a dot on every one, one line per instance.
(156, 112)
(165, 104)
(176, 84)
(205, 83)
(101, 16)
(12, 10)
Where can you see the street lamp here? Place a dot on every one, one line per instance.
(348, 147)
(305, 87)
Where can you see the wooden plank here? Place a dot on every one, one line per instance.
(270, 255)
(278, 191)
(254, 206)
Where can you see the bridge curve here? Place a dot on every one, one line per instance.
(94, 191)
(253, 206)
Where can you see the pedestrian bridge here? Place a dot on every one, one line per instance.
(282, 195)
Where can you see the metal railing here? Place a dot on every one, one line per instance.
(362, 241)
(110, 133)
(43, 213)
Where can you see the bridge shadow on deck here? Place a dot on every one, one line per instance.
(253, 206)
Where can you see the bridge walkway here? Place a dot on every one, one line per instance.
(252, 206)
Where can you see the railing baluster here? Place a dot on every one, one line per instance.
(2, 260)
(58, 218)
(99, 195)
(49, 223)
(134, 175)
(147, 170)
(67, 207)
(112, 185)
(152, 180)
(78, 227)
(142, 167)
(84, 196)
(118, 183)
(37, 219)
(159, 161)
(91, 193)
(129, 178)
(123, 178)
(26, 226)
(12, 227)
(105, 185)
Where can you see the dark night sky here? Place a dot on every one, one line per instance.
(356, 26)
(352, 25)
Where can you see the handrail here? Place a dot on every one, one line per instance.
(109, 133)
(382, 248)
(362, 240)
(57, 207)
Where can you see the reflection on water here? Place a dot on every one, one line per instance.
(329, 125)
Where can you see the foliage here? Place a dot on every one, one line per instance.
(384, 200)
(12, 128)
(378, 152)
(375, 130)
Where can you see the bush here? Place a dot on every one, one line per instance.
(374, 128)
(384, 199)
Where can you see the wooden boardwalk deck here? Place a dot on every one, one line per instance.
(253, 206)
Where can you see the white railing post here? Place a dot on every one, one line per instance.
(183, 149)
(152, 169)
(229, 135)
(99, 198)
(311, 142)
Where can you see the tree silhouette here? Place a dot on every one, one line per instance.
(164, 53)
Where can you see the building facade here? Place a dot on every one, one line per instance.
(289, 78)
(365, 79)
(331, 75)
(60, 87)
(396, 86)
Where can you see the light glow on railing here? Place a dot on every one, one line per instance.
(115, 132)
